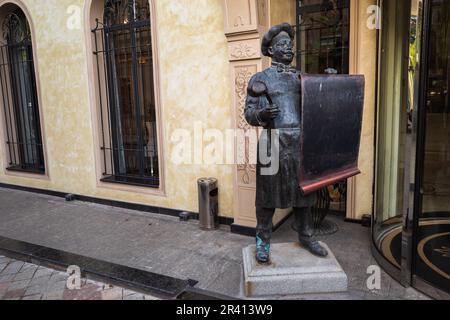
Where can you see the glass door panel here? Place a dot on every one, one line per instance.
(392, 125)
(433, 225)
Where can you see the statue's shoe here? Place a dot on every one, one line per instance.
(262, 250)
(262, 256)
(314, 247)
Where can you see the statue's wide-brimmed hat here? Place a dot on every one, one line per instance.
(272, 33)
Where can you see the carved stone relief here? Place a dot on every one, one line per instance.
(243, 19)
(247, 169)
(242, 50)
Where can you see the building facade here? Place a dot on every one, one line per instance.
(209, 45)
(97, 96)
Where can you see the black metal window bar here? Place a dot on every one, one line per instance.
(323, 33)
(124, 65)
(19, 96)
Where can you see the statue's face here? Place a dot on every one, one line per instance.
(282, 50)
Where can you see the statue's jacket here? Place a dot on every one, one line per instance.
(278, 188)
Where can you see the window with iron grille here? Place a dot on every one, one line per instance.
(125, 78)
(323, 36)
(19, 95)
(323, 40)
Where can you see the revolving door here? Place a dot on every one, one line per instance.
(411, 229)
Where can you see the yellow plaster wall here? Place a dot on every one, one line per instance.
(364, 62)
(282, 11)
(194, 87)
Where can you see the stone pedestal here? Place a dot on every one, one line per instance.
(292, 271)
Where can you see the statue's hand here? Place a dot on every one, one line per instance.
(269, 113)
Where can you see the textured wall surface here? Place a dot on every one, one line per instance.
(282, 11)
(194, 80)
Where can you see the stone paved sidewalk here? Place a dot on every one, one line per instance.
(166, 246)
(26, 281)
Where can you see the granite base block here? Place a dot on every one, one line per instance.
(292, 271)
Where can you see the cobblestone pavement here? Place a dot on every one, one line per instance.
(26, 281)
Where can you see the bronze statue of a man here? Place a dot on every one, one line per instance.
(273, 102)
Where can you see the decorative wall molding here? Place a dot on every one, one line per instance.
(246, 49)
(245, 22)
(246, 171)
(240, 16)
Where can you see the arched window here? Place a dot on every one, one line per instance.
(19, 93)
(123, 51)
